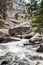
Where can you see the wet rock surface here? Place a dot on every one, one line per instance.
(40, 49)
(37, 38)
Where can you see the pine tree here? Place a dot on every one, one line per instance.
(41, 7)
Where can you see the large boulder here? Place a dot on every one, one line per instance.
(18, 31)
(36, 38)
(26, 36)
(29, 35)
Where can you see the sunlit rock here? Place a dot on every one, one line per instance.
(36, 38)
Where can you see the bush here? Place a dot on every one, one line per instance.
(38, 22)
(26, 16)
(39, 18)
(1, 22)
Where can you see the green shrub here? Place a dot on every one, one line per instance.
(38, 22)
(26, 16)
(1, 22)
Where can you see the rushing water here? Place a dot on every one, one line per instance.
(16, 53)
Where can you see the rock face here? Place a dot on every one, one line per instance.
(40, 49)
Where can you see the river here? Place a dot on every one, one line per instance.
(21, 54)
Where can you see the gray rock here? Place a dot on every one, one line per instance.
(40, 49)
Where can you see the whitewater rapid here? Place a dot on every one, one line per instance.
(21, 51)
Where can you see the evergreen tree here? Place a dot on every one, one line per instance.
(38, 23)
(33, 5)
(41, 7)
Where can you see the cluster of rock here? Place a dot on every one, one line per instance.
(34, 38)
(24, 32)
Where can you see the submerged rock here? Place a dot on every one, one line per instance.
(4, 63)
(40, 49)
